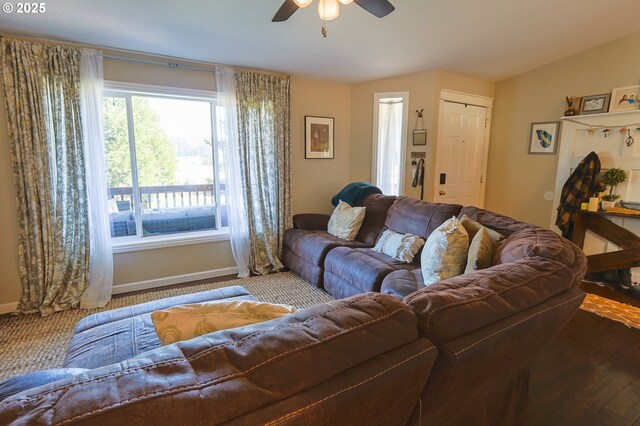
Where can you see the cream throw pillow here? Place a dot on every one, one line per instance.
(480, 251)
(185, 322)
(445, 252)
(345, 221)
(399, 246)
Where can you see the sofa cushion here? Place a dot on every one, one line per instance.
(534, 242)
(402, 283)
(377, 208)
(34, 379)
(412, 216)
(313, 246)
(360, 270)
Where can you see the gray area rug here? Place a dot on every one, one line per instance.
(30, 342)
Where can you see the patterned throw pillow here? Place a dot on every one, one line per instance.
(399, 246)
(445, 252)
(345, 221)
(185, 322)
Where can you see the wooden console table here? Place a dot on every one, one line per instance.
(629, 254)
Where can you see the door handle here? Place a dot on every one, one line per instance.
(442, 192)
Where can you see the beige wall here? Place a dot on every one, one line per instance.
(315, 182)
(516, 181)
(424, 93)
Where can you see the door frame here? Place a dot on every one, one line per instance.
(466, 99)
(374, 147)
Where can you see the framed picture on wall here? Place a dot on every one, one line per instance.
(544, 137)
(595, 104)
(625, 99)
(318, 137)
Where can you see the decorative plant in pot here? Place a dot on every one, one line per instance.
(612, 177)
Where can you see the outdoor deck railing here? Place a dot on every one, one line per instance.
(167, 196)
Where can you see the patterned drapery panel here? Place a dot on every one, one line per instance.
(41, 89)
(264, 109)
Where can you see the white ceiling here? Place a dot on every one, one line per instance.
(490, 39)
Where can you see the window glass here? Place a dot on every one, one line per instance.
(160, 156)
(118, 157)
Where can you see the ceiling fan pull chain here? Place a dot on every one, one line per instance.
(324, 30)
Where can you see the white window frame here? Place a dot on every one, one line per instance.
(138, 242)
(377, 96)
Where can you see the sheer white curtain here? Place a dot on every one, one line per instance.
(98, 292)
(228, 131)
(389, 147)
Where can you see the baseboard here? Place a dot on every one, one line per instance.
(8, 307)
(176, 279)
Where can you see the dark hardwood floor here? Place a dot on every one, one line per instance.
(590, 374)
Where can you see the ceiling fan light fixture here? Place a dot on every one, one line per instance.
(328, 9)
(302, 3)
(345, 2)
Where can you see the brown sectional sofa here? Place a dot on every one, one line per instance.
(487, 325)
(457, 352)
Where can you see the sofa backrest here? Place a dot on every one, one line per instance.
(412, 216)
(489, 324)
(331, 363)
(377, 207)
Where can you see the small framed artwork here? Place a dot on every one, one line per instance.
(419, 137)
(595, 104)
(625, 99)
(544, 137)
(318, 137)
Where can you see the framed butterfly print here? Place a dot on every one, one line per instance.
(544, 138)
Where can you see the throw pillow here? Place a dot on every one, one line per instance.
(345, 221)
(399, 246)
(480, 251)
(472, 227)
(445, 252)
(188, 321)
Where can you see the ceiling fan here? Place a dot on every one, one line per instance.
(329, 9)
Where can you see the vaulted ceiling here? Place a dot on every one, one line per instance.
(490, 39)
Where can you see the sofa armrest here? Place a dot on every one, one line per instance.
(311, 221)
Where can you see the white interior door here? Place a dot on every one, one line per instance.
(460, 149)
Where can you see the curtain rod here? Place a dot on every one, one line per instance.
(164, 60)
(157, 62)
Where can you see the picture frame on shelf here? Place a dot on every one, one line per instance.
(544, 137)
(318, 137)
(595, 104)
(625, 99)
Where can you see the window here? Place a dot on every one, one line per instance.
(390, 110)
(163, 163)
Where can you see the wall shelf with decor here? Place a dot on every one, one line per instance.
(579, 136)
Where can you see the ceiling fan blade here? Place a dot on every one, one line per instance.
(379, 8)
(286, 10)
